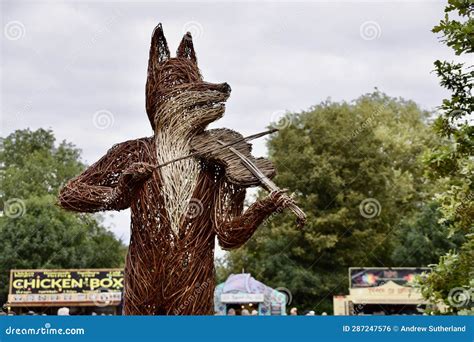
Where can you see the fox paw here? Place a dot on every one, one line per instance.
(281, 199)
(138, 172)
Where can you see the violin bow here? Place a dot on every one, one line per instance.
(267, 183)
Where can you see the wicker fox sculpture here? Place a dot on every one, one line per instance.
(176, 210)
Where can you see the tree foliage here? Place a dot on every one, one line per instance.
(34, 231)
(421, 239)
(454, 161)
(356, 169)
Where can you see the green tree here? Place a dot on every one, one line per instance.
(34, 231)
(454, 161)
(421, 239)
(356, 169)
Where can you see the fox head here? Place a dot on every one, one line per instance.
(176, 94)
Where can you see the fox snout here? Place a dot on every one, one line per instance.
(223, 88)
(203, 86)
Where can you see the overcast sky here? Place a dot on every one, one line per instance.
(80, 68)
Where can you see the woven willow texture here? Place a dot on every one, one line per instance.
(176, 210)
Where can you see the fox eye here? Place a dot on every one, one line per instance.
(186, 48)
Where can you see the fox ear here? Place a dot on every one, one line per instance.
(159, 51)
(186, 48)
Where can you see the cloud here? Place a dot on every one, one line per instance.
(78, 58)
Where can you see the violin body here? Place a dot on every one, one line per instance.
(207, 147)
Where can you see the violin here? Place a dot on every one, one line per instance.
(231, 150)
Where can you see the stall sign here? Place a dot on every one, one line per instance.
(242, 297)
(373, 277)
(76, 285)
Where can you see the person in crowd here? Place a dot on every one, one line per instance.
(254, 312)
(311, 313)
(294, 312)
(231, 312)
(63, 311)
(245, 312)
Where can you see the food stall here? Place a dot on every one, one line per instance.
(241, 294)
(83, 291)
(381, 291)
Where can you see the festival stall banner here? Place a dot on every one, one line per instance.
(377, 276)
(65, 286)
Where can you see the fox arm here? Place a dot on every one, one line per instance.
(237, 230)
(106, 185)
